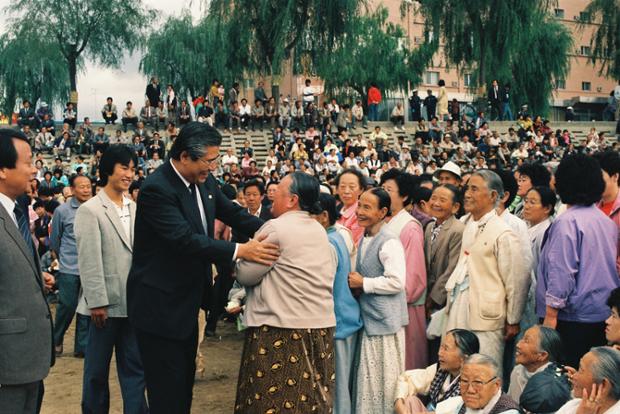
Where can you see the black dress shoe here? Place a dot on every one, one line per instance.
(78, 354)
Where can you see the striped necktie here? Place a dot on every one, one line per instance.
(24, 229)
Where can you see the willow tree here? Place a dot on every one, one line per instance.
(187, 55)
(372, 51)
(605, 44)
(539, 63)
(101, 31)
(483, 35)
(30, 68)
(262, 34)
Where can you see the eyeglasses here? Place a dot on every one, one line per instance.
(475, 384)
(214, 161)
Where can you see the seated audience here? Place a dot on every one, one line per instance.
(440, 381)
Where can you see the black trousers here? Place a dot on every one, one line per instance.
(169, 369)
(219, 294)
(578, 338)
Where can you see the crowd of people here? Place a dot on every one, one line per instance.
(468, 271)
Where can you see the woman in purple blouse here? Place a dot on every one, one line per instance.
(577, 268)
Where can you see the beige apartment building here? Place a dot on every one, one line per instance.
(583, 88)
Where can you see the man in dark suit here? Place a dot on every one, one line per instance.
(27, 116)
(153, 92)
(494, 99)
(174, 250)
(25, 321)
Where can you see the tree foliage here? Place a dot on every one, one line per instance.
(539, 63)
(99, 30)
(189, 56)
(606, 40)
(372, 51)
(263, 33)
(30, 68)
(513, 41)
(483, 34)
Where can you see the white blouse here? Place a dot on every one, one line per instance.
(392, 257)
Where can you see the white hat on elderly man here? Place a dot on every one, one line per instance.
(451, 168)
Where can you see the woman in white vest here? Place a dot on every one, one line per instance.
(400, 186)
(380, 277)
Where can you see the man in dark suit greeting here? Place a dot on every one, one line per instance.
(173, 253)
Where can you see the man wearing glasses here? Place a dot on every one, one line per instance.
(174, 249)
(481, 388)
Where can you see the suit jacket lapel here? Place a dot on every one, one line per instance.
(441, 237)
(13, 231)
(188, 204)
(110, 211)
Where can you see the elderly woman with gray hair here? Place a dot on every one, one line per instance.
(488, 288)
(539, 348)
(596, 385)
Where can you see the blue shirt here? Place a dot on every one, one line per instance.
(346, 308)
(577, 266)
(62, 239)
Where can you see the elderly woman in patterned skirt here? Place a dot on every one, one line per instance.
(288, 355)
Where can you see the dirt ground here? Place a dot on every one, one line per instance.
(215, 394)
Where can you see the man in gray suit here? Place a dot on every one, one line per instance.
(104, 232)
(25, 322)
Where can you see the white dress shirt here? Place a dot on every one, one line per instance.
(203, 216)
(9, 206)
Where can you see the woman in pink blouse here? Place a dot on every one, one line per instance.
(349, 185)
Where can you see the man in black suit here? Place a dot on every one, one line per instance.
(174, 249)
(494, 100)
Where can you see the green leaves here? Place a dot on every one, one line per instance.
(190, 56)
(372, 50)
(515, 41)
(100, 30)
(32, 68)
(606, 40)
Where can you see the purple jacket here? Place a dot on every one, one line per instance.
(577, 267)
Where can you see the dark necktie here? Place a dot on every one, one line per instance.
(193, 190)
(24, 229)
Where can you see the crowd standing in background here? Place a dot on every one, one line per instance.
(446, 268)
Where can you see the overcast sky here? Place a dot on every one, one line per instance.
(123, 84)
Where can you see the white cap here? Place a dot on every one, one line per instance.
(450, 167)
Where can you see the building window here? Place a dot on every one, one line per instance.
(585, 50)
(559, 13)
(584, 16)
(560, 84)
(431, 78)
(586, 86)
(467, 80)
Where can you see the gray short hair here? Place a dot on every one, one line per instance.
(494, 183)
(607, 366)
(481, 359)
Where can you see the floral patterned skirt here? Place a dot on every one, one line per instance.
(286, 371)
